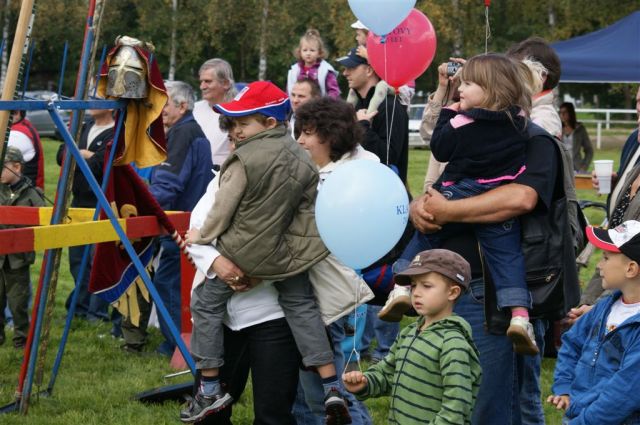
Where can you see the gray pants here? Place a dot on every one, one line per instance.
(209, 303)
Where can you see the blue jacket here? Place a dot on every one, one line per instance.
(180, 181)
(599, 370)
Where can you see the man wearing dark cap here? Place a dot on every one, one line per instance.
(432, 371)
(595, 380)
(15, 283)
(390, 122)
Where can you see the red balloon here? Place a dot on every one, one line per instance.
(410, 48)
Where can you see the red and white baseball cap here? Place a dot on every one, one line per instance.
(259, 97)
(624, 239)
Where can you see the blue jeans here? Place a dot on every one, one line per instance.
(167, 282)
(500, 243)
(498, 401)
(88, 305)
(309, 406)
(357, 320)
(383, 332)
(529, 369)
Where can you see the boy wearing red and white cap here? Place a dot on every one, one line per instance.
(595, 378)
(263, 224)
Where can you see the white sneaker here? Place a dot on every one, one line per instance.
(521, 334)
(398, 303)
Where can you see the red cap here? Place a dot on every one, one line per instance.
(259, 97)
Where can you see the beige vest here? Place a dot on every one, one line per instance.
(273, 234)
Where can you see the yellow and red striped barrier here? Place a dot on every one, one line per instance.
(78, 230)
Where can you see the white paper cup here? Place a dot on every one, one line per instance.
(603, 169)
(604, 185)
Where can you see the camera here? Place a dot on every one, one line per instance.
(452, 68)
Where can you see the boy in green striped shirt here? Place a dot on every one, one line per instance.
(432, 371)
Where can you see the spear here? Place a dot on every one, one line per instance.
(18, 49)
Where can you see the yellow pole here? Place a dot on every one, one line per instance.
(15, 59)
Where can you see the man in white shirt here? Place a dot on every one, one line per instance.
(217, 86)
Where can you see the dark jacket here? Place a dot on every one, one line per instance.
(180, 181)
(479, 143)
(20, 194)
(581, 143)
(548, 245)
(83, 196)
(391, 119)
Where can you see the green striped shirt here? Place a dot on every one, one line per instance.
(432, 376)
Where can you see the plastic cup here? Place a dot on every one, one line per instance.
(603, 169)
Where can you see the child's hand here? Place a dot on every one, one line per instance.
(454, 106)
(192, 235)
(560, 401)
(575, 313)
(362, 52)
(363, 115)
(354, 382)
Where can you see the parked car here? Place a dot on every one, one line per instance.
(415, 118)
(41, 119)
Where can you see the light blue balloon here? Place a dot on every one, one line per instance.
(361, 212)
(381, 16)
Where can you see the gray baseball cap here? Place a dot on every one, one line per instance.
(442, 261)
(13, 154)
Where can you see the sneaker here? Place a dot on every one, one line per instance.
(398, 303)
(132, 348)
(521, 334)
(336, 409)
(201, 406)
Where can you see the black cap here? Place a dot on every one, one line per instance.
(352, 59)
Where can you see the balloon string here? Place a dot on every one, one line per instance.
(386, 105)
(390, 128)
(354, 350)
(487, 30)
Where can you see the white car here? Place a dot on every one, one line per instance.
(415, 118)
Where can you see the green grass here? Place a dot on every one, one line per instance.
(97, 380)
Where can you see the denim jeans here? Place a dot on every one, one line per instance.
(309, 406)
(501, 247)
(356, 320)
(88, 305)
(498, 400)
(167, 282)
(384, 333)
(268, 351)
(529, 370)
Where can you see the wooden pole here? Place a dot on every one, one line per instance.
(15, 60)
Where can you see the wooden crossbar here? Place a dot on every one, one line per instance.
(27, 239)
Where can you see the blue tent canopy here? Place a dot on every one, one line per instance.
(609, 55)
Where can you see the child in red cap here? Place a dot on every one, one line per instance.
(262, 221)
(596, 376)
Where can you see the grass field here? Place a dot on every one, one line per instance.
(97, 380)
